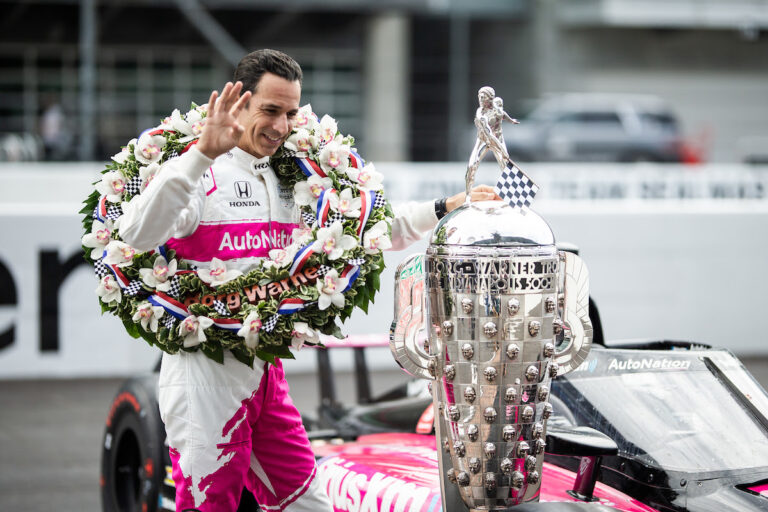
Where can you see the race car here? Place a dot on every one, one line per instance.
(639, 426)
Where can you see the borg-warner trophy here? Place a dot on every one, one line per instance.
(504, 312)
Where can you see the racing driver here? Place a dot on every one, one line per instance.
(230, 425)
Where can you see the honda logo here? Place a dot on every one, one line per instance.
(242, 189)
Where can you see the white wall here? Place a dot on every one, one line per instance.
(660, 267)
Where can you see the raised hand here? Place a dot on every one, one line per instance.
(222, 131)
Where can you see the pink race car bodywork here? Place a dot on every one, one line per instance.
(398, 472)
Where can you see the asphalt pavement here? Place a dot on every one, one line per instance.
(51, 434)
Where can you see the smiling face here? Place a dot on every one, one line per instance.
(268, 119)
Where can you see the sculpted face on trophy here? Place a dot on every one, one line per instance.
(504, 312)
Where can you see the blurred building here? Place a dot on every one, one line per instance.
(401, 75)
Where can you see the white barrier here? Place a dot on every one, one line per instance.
(689, 268)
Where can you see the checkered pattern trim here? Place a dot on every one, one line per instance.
(133, 288)
(323, 269)
(356, 261)
(344, 181)
(169, 322)
(270, 324)
(379, 202)
(515, 187)
(133, 187)
(114, 211)
(308, 218)
(334, 217)
(261, 165)
(221, 308)
(100, 268)
(173, 154)
(175, 289)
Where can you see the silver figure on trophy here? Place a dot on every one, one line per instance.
(490, 315)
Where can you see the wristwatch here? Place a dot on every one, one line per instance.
(440, 208)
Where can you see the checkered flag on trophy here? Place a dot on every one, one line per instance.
(515, 187)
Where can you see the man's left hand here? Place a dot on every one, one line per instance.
(478, 193)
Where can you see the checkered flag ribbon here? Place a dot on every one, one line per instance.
(100, 268)
(515, 187)
(379, 202)
(133, 288)
(356, 261)
(221, 308)
(345, 181)
(175, 289)
(270, 324)
(133, 187)
(169, 321)
(334, 217)
(323, 269)
(114, 211)
(308, 218)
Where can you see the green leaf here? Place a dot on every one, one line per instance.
(132, 329)
(242, 356)
(213, 350)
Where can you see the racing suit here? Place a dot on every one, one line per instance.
(230, 425)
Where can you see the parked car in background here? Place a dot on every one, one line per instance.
(599, 127)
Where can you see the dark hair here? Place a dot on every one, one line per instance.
(253, 66)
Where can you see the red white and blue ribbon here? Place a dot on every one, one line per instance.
(300, 259)
(356, 160)
(367, 200)
(101, 209)
(122, 281)
(310, 167)
(228, 324)
(351, 272)
(324, 205)
(292, 305)
(173, 307)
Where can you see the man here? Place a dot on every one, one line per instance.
(230, 425)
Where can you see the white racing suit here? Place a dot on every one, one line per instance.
(231, 425)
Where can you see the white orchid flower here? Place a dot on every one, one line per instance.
(98, 238)
(112, 185)
(283, 257)
(305, 118)
(108, 290)
(217, 274)
(327, 129)
(376, 239)
(345, 204)
(166, 124)
(147, 173)
(331, 287)
(334, 157)
(306, 192)
(193, 329)
(123, 155)
(159, 276)
(148, 315)
(250, 329)
(119, 253)
(300, 141)
(367, 178)
(149, 148)
(302, 334)
(333, 242)
(191, 124)
(301, 236)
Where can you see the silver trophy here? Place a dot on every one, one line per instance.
(490, 315)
